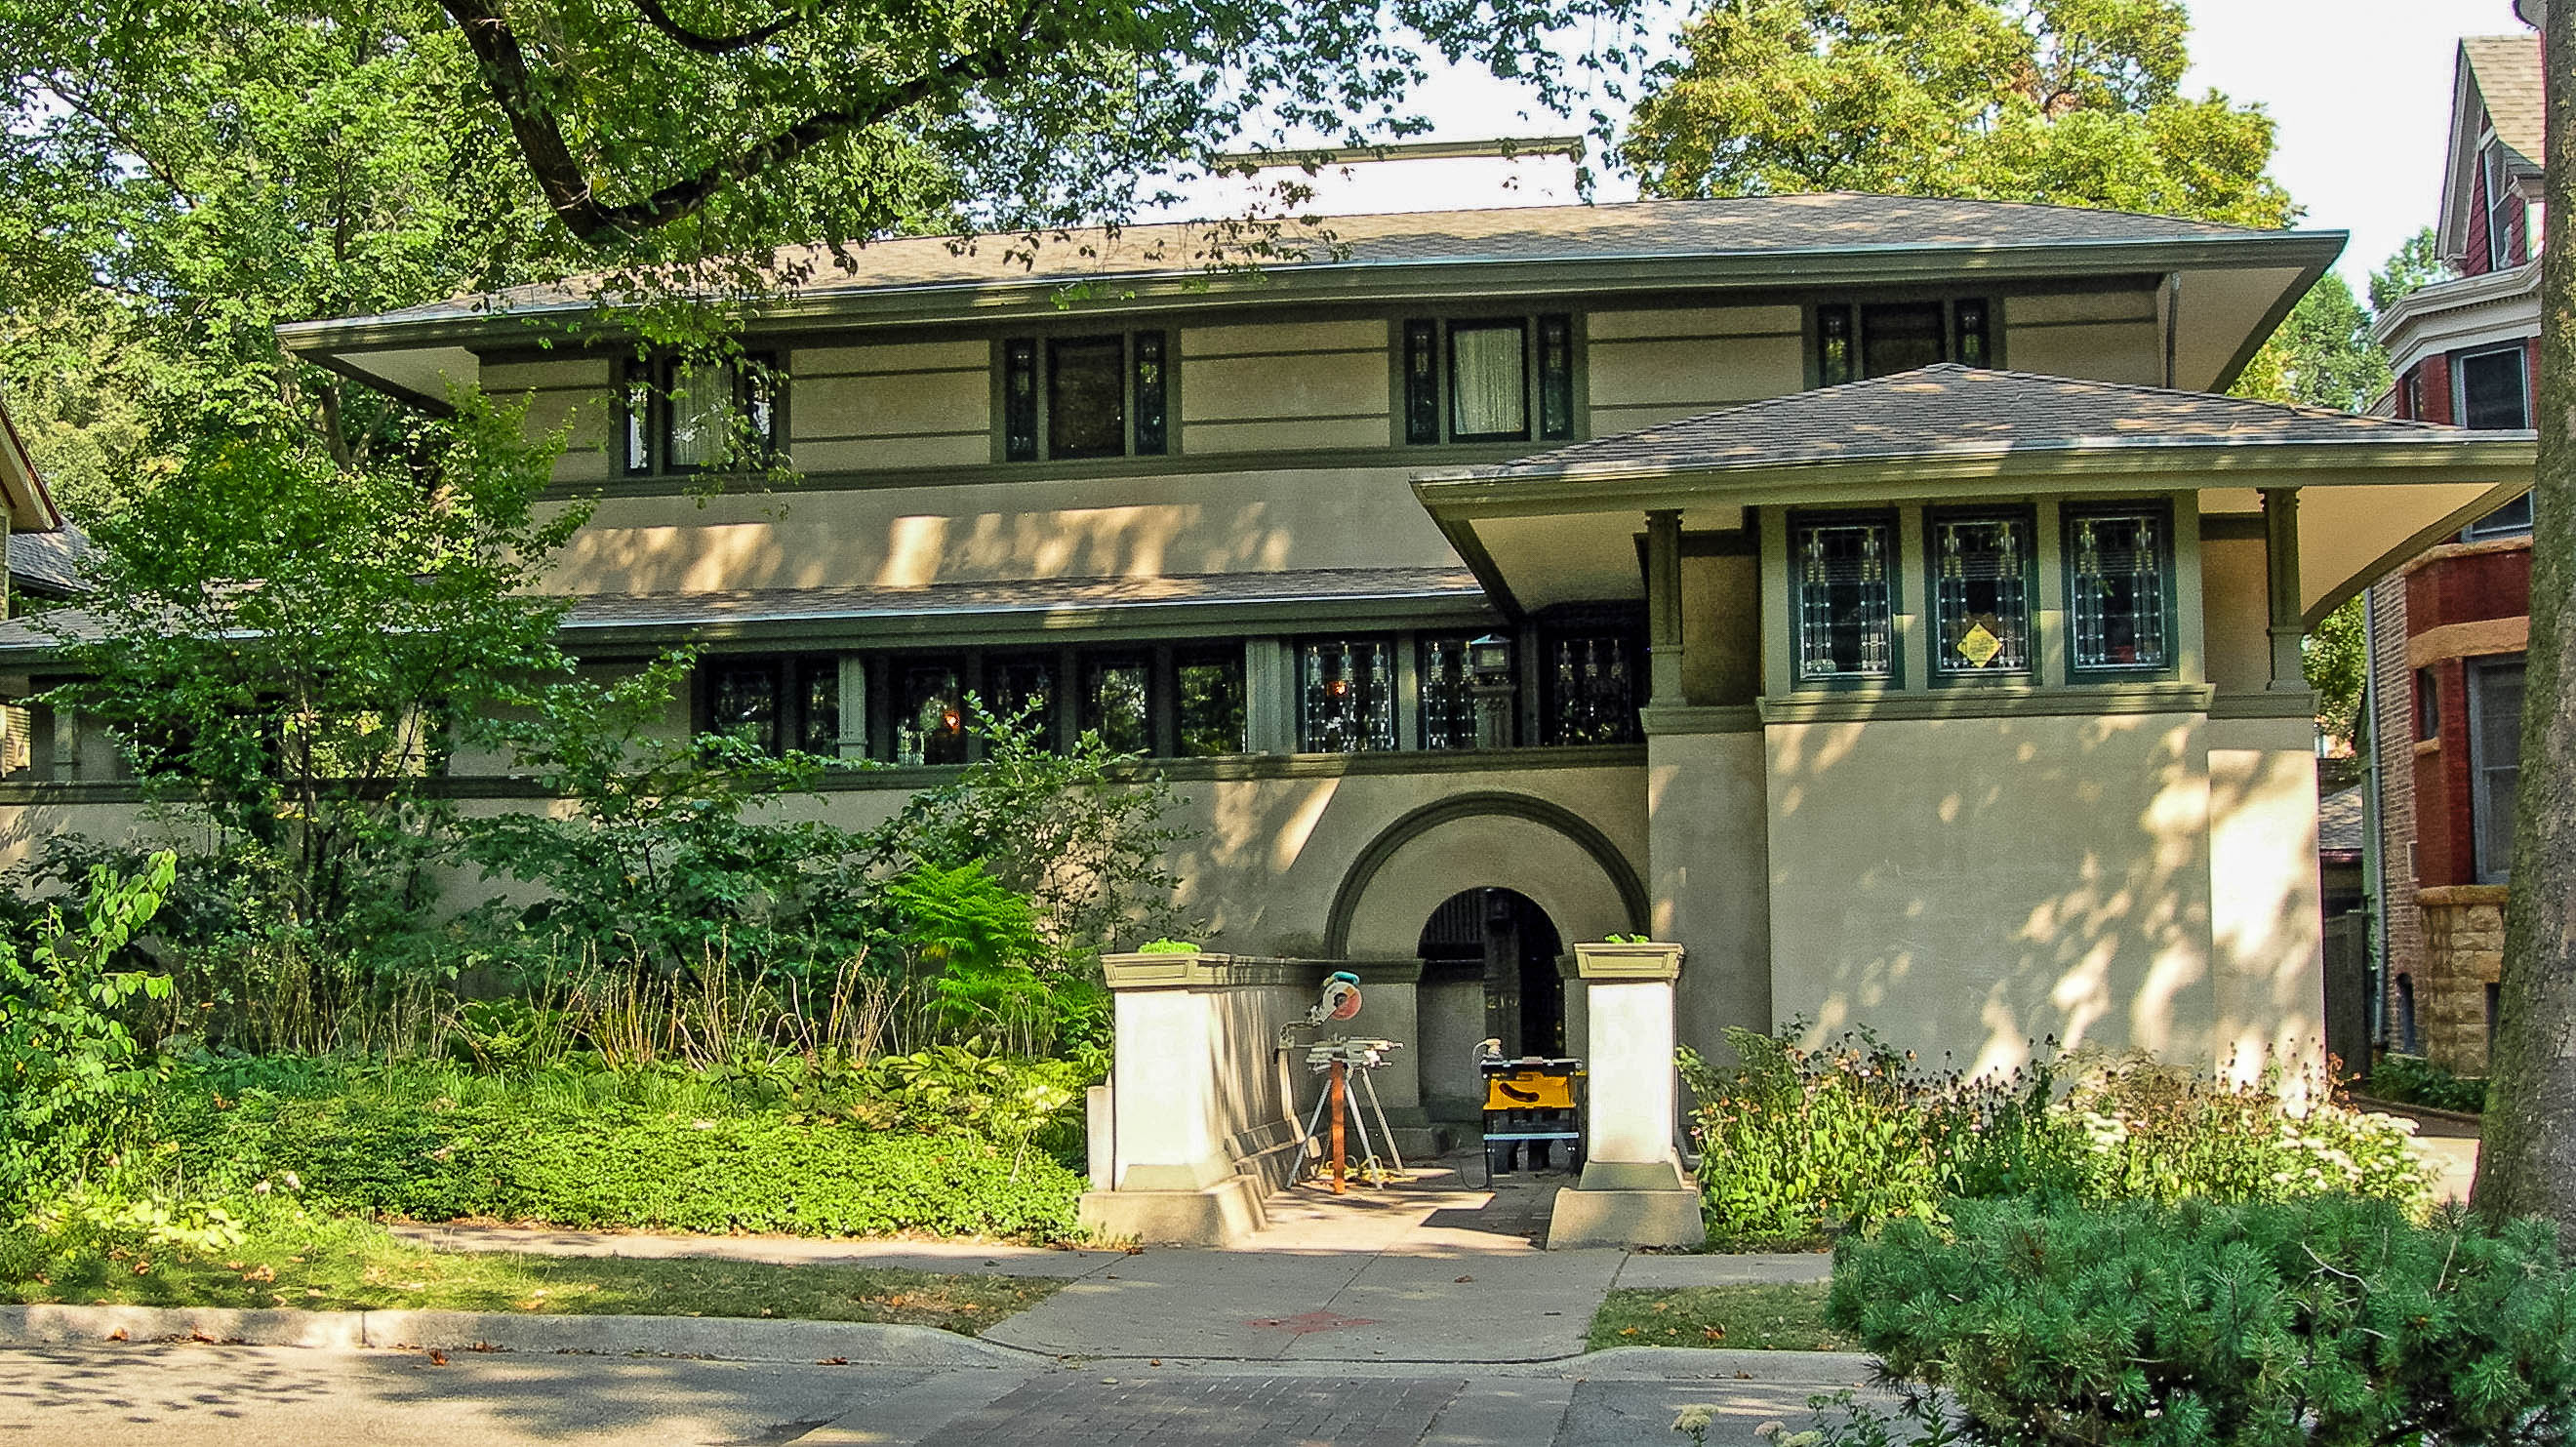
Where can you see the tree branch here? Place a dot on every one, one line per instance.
(569, 189)
(703, 43)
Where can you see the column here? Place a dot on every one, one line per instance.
(1664, 606)
(1633, 1191)
(2281, 569)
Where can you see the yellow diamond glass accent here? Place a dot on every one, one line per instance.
(1979, 646)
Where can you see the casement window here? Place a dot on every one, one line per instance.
(1118, 700)
(1345, 696)
(929, 699)
(1843, 598)
(2501, 231)
(2492, 390)
(2495, 761)
(1208, 704)
(2120, 600)
(1877, 339)
(1489, 379)
(1447, 702)
(1591, 684)
(1081, 397)
(779, 703)
(1984, 576)
(677, 415)
(1023, 686)
(2428, 706)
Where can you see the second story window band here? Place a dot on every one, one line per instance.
(1488, 379)
(1074, 398)
(679, 415)
(1346, 696)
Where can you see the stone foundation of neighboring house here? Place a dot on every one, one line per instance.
(2463, 958)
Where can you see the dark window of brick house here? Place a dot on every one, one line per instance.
(2493, 396)
(2495, 761)
(2428, 705)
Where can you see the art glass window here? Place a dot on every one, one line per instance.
(1117, 702)
(1208, 701)
(1346, 696)
(1981, 595)
(1592, 688)
(1845, 599)
(1448, 701)
(930, 713)
(1023, 687)
(2121, 563)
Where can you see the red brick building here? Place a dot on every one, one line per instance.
(2449, 629)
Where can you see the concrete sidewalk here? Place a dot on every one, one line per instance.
(1431, 1270)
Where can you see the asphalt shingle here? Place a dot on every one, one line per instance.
(2507, 70)
(1948, 408)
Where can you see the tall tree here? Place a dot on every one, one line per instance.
(2527, 1165)
(2322, 356)
(2413, 266)
(2076, 102)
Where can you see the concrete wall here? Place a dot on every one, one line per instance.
(1969, 886)
(1707, 802)
(2267, 922)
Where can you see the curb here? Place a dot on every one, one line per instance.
(715, 1338)
(1665, 1364)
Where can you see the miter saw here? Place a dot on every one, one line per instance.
(1337, 1058)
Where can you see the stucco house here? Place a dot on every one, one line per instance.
(1875, 596)
(2449, 628)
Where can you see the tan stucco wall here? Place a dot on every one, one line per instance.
(2115, 336)
(1721, 629)
(1969, 886)
(2235, 612)
(2267, 922)
(1706, 800)
(1212, 522)
(1646, 367)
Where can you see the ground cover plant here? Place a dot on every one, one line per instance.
(1799, 1144)
(1748, 1316)
(2333, 1320)
(276, 1253)
(2413, 1080)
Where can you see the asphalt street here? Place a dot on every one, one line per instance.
(165, 1395)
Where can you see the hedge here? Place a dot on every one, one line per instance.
(622, 1166)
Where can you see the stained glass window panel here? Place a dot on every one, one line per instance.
(1346, 696)
(1209, 701)
(930, 717)
(2120, 561)
(1087, 397)
(1592, 689)
(742, 699)
(1117, 703)
(1981, 595)
(1845, 600)
(1448, 703)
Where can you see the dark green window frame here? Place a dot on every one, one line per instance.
(1966, 334)
(1936, 572)
(1428, 377)
(1030, 396)
(645, 386)
(2071, 523)
(802, 692)
(1804, 607)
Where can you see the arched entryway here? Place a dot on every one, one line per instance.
(1502, 941)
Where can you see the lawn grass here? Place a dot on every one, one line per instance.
(1751, 1316)
(343, 1265)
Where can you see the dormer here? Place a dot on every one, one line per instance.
(2491, 189)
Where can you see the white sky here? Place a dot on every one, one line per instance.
(2361, 90)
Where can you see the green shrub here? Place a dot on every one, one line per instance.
(615, 1164)
(2413, 1080)
(1799, 1143)
(2328, 1321)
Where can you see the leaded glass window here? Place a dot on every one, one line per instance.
(1117, 702)
(930, 716)
(1833, 345)
(818, 705)
(1087, 397)
(777, 703)
(1488, 380)
(2121, 563)
(683, 416)
(1448, 703)
(1023, 687)
(1592, 688)
(1346, 696)
(742, 700)
(1981, 595)
(1556, 376)
(1208, 701)
(1845, 598)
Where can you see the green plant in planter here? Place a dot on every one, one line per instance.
(1167, 947)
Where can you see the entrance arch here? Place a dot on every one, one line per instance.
(1555, 857)
(1504, 944)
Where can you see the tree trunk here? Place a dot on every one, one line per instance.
(2528, 1164)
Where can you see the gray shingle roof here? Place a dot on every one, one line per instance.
(49, 562)
(1324, 588)
(1951, 409)
(1827, 221)
(2507, 68)
(2341, 822)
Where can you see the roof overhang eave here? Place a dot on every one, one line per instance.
(2088, 465)
(1362, 281)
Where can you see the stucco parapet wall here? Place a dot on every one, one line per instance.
(2453, 896)
(1653, 961)
(2002, 702)
(1198, 970)
(1669, 721)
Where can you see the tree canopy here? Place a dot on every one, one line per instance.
(2073, 102)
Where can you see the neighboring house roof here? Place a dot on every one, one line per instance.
(2508, 75)
(1951, 410)
(53, 564)
(955, 608)
(2341, 825)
